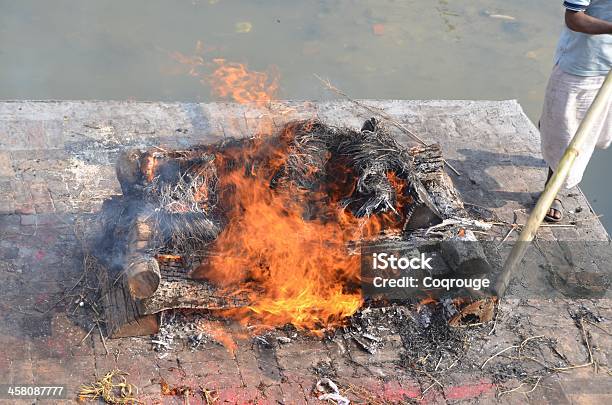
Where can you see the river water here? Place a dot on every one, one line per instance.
(409, 49)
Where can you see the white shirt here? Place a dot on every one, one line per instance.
(583, 54)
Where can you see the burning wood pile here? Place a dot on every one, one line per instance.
(263, 230)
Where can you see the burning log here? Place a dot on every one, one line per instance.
(165, 258)
(166, 203)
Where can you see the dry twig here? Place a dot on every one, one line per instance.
(519, 346)
(546, 367)
(516, 389)
(102, 337)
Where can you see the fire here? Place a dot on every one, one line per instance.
(190, 64)
(218, 332)
(293, 266)
(149, 167)
(234, 81)
(229, 80)
(293, 269)
(288, 252)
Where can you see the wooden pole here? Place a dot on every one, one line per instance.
(554, 185)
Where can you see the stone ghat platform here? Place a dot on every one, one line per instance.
(57, 166)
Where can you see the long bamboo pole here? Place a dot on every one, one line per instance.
(554, 185)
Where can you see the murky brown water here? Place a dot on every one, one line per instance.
(435, 49)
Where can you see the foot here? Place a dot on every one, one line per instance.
(555, 213)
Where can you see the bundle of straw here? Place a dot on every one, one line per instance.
(113, 388)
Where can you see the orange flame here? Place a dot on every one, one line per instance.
(234, 81)
(195, 63)
(218, 332)
(293, 270)
(230, 80)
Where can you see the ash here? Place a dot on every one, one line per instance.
(429, 343)
(179, 329)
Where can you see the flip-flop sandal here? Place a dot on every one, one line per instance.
(556, 206)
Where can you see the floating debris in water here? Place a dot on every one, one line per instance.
(498, 16)
(502, 17)
(243, 27)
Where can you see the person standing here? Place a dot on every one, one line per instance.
(582, 60)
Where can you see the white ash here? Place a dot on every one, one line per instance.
(178, 329)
